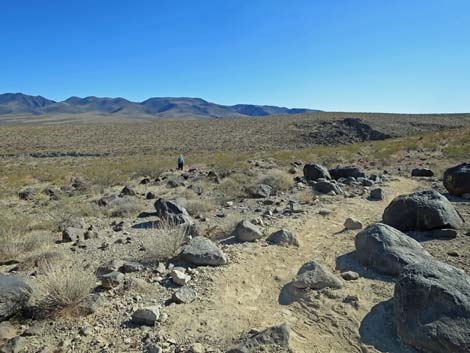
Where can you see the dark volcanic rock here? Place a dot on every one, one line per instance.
(387, 250)
(457, 179)
(315, 172)
(422, 172)
(421, 211)
(432, 308)
(171, 212)
(326, 187)
(346, 172)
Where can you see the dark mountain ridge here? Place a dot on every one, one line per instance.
(162, 108)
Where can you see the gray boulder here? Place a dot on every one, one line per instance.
(326, 187)
(202, 251)
(283, 237)
(432, 308)
(184, 295)
(315, 172)
(457, 179)
(14, 295)
(314, 276)
(421, 211)
(386, 250)
(247, 231)
(273, 339)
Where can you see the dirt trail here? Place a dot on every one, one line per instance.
(252, 291)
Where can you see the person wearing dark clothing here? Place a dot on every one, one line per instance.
(180, 162)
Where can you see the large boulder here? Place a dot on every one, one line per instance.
(314, 276)
(346, 172)
(422, 211)
(386, 250)
(272, 339)
(315, 172)
(171, 212)
(432, 308)
(202, 251)
(457, 179)
(14, 295)
(247, 231)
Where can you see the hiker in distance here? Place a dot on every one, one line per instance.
(180, 161)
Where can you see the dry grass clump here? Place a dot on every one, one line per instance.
(164, 243)
(16, 239)
(278, 180)
(62, 288)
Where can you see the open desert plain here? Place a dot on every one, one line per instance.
(267, 241)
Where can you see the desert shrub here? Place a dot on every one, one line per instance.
(63, 288)
(126, 206)
(278, 180)
(198, 206)
(164, 243)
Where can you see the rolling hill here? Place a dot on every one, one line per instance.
(152, 108)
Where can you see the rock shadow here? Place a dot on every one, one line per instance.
(147, 225)
(377, 330)
(348, 262)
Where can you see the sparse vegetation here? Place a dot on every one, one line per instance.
(63, 287)
(164, 243)
(277, 179)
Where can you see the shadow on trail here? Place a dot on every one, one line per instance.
(348, 262)
(377, 329)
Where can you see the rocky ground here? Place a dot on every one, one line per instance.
(253, 285)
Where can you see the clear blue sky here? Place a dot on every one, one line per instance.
(337, 55)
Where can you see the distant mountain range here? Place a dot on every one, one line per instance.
(155, 108)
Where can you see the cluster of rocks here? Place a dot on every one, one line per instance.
(431, 299)
(334, 181)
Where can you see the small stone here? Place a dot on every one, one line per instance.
(184, 295)
(71, 234)
(352, 224)
(377, 194)
(112, 280)
(146, 316)
(7, 331)
(196, 348)
(350, 275)
(466, 196)
(129, 267)
(179, 277)
(324, 212)
(15, 345)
